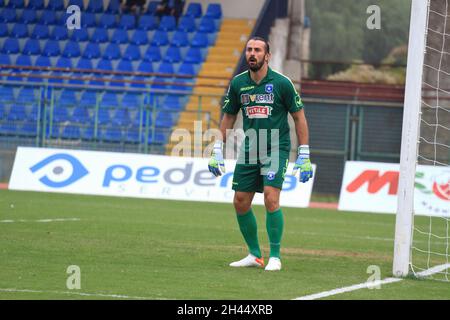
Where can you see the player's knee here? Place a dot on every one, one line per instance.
(241, 204)
(271, 202)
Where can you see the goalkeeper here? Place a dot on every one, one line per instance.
(265, 98)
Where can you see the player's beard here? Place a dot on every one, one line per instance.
(256, 66)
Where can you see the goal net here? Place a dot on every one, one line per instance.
(422, 243)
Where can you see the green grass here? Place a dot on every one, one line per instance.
(181, 250)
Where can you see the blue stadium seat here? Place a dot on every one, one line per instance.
(132, 135)
(187, 24)
(85, 63)
(11, 46)
(40, 32)
(19, 30)
(16, 4)
(214, 11)
(130, 100)
(28, 128)
(147, 22)
(80, 114)
(54, 77)
(87, 133)
(127, 22)
(26, 95)
(200, 40)
(119, 36)
(180, 39)
(43, 61)
(185, 85)
(139, 82)
(207, 25)
(95, 6)
(164, 120)
(4, 29)
(36, 4)
(113, 7)
(153, 54)
(79, 35)
(167, 23)
(61, 114)
(151, 7)
(48, 17)
(166, 68)
(23, 60)
(111, 134)
(100, 35)
(64, 62)
(51, 48)
(117, 81)
(71, 131)
(92, 51)
(103, 116)
(28, 16)
(104, 65)
(132, 52)
(88, 98)
(121, 117)
(79, 3)
(59, 33)
(6, 94)
(139, 37)
(88, 19)
(8, 15)
(71, 50)
(109, 99)
(172, 55)
(33, 114)
(68, 98)
(194, 10)
(193, 55)
(112, 51)
(8, 129)
(172, 102)
(107, 21)
(55, 5)
(5, 60)
(145, 66)
(17, 112)
(187, 69)
(31, 47)
(160, 38)
(125, 66)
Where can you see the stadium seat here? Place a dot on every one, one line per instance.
(109, 99)
(16, 4)
(43, 61)
(160, 38)
(100, 35)
(33, 114)
(111, 134)
(166, 68)
(119, 36)
(181, 84)
(4, 60)
(71, 131)
(92, 51)
(207, 25)
(125, 66)
(186, 24)
(61, 114)
(200, 40)
(147, 22)
(68, 98)
(151, 7)
(139, 37)
(35, 4)
(117, 81)
(51, 48)
(19, 30)
(8, 129)
(11, 46)
(214, 11)
(28, 128)
(17, 112)
(71, 50)
(112, 51)
(80, 114)
(8, 15)
(48, 17)
(130, 100)
(6, 94)
(153, 54)
(164, 119)
(187, 69)
(88, 98)
(172, 102)
(79, 3)
(180, 39)
(193, 55)
(3, 29)
(132, 52)
(94, 6)
(194, 10)
(55, 5)
(145, 66)
(127, 22)
(79, 35)
(121, 117)
(88, 20)
(28, 16)
(59, 33)
(172, 55)
(107, 21)
(31, 47)
(139, 82)
(104, 65)
(132, 135)
(113, 7)
(103, 116)
(87, 133)
(40, 32)
(54, 77)
(85, 63)
(23, 60)
(63, 62)
(167, 23)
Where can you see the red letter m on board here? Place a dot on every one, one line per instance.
(376, 182)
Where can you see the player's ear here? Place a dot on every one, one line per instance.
(267, 57)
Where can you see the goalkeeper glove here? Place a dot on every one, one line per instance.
(216, 164)
(303, 163)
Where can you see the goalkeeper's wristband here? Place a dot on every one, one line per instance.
(303, 150)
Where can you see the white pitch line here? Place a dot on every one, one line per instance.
(118, 296)
(40, 220)
(372, 284)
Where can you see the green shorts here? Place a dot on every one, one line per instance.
(254, 177)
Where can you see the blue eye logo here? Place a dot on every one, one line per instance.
(78, 170)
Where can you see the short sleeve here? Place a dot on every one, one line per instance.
(231, 103)
(292, 99)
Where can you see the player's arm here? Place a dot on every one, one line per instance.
(301, 127)
(227, 123)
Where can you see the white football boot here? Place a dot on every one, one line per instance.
(249, 261)
(274, 264)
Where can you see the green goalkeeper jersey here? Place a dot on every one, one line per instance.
(264, 106)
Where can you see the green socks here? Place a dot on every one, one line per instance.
(248, 227)
(274, 225)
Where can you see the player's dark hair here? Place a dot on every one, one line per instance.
(263, 40)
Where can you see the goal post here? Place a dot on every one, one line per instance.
(410, 137)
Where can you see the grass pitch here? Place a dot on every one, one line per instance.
(159, 249)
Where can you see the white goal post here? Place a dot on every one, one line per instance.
(410, 137)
